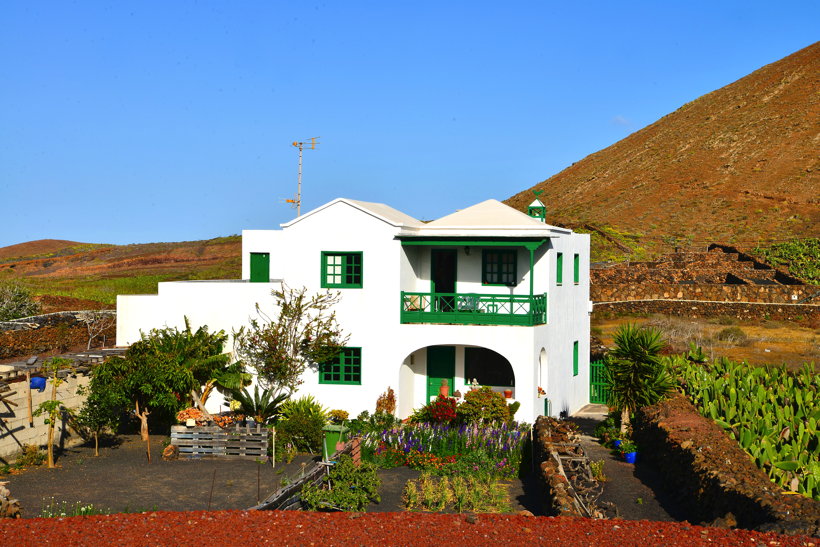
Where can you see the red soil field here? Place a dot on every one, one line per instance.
(305, 528)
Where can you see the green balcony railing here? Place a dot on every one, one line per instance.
(473, 309)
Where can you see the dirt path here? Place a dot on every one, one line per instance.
(636, 490)
(121, 479)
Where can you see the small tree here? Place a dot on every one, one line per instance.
(634, 372)
(96, 322)
(304, 333)
(16, 301)
(160, 371)
(53, 407)
(101, 411)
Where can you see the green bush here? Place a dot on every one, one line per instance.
(302, 431)
(306, 405)
(484, 406)
(346, 488)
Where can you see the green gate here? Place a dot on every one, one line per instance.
(598, 391)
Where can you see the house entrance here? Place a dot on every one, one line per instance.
(443, 277)
(441, 364)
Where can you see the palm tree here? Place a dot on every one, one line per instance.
(634, 372)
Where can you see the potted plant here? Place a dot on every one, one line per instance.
(629, 450)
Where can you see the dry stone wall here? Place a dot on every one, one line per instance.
(778, 294)
(714, 476)
(808, 314)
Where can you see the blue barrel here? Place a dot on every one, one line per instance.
(38, 383)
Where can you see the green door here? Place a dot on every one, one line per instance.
(441, 364)
(260, 267)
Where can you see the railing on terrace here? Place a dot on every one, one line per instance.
(473, 309)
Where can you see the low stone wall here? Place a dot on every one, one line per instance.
(564, 491)
(746, 311)
(69, 318)
(780, 294)
(714, 476)
(46, 333)
(14, 425)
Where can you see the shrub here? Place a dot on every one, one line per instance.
(732, 334)
(346, 488)
(306, 405)
(386, 402)
(16, 301)
(442, 410)
(338, 416)
(484, 406)
(302, 431)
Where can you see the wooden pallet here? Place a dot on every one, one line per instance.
(214, 442)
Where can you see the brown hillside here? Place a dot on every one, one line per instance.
(123, 260)
(736, 165)
(35, 248)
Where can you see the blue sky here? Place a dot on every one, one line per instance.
(168, 121)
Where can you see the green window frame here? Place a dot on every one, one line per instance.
(575, 358)
(576, 268)
(559, 269)
(345, 368)
(342, 270)
(499, 267)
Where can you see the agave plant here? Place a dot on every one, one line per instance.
(263, 407)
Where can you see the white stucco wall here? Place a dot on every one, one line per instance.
(393, 355)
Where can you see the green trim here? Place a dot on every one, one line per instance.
(575, 358)
(500, 265)
(539, 212)
(345, 369)
(576, 268)
(559, 269)
(260, 267)
(528, 243)
(473, 309)
(342, 270)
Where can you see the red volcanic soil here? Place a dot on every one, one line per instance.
(40, 246)
(305, 528)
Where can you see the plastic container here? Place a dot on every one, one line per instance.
(333, 434)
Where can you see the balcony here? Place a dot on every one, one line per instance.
(473, 309)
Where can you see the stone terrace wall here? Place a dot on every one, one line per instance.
(14, 424)
(801, 313)
(714, 476)
(615, 292)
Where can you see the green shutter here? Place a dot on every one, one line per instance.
(559, 265)
(576, 269)
(260, 267)
(575, 358)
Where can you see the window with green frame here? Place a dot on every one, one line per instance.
(575, 358)
(346, 368)
(576, 268)
(341, 270)
(498, 267)
(559, 268)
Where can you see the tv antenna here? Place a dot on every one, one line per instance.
(311, 144)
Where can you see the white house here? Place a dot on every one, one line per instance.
(486, 293)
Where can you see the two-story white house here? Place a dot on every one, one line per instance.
(486, 293)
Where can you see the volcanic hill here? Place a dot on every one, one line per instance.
(736, 165)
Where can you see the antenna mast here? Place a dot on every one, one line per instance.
(300, 145)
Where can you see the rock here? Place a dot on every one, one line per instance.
(170, 453)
